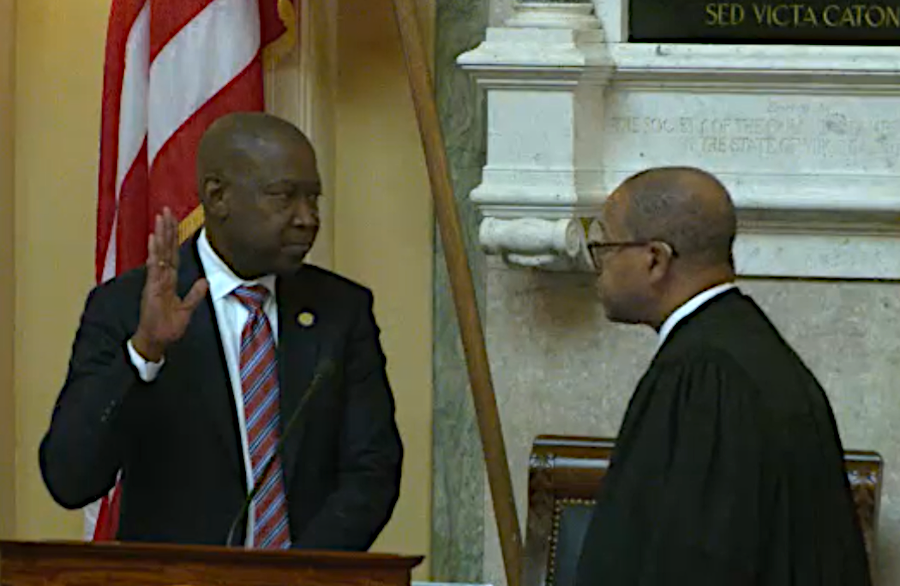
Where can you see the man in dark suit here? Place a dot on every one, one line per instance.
(728, 469)
(186, 373)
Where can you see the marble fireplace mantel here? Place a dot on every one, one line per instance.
(807, 138)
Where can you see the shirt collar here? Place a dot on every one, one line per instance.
(692, 305)
(222, 280)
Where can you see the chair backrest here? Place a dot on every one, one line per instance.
(565, 474)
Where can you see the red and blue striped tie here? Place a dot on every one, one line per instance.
(259, 381)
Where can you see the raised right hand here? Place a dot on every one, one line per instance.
(164, 315)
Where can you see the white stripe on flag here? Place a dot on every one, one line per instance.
(90, 520)
(183, 77)
(133, 102)
(132, 117)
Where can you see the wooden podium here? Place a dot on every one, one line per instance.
(131, 564)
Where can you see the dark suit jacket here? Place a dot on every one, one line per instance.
(728, 469)
(176, 439)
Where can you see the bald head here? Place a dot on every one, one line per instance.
(259, 186)
(685, 207)
(670, 232)
(234, 142)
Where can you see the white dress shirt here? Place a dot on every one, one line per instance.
(231, 316)
(692, 305)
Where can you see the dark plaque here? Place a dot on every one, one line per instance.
(765, 21)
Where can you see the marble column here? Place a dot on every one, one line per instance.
(457, 552)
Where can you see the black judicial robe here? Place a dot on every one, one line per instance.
(728, 469)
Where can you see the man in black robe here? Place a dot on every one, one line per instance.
(728, 468)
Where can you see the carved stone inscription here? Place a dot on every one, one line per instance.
(762, 21)
(761, 14)
(780, 134)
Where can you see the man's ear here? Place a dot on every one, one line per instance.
(214, 196)
(660, 259)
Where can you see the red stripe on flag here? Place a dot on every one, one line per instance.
(133, 225)
(121, 18)
(270, 23)
(167, 18)
(173, 178)
(108, 517)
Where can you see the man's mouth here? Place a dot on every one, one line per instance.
(296, 246)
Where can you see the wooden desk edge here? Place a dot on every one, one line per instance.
(198, 553)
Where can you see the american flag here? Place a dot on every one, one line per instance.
(172, 67)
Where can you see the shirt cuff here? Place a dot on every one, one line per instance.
(146, 370)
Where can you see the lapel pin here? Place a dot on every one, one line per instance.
(306, 319)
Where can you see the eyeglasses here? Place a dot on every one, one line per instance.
(598, 249)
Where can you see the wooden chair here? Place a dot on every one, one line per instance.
(565, 474)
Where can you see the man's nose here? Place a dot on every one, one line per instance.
(306, 212)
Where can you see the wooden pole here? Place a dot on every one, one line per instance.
(463, 290)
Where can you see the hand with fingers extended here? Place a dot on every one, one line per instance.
(164, 315)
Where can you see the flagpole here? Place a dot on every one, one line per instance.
(463, 290)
